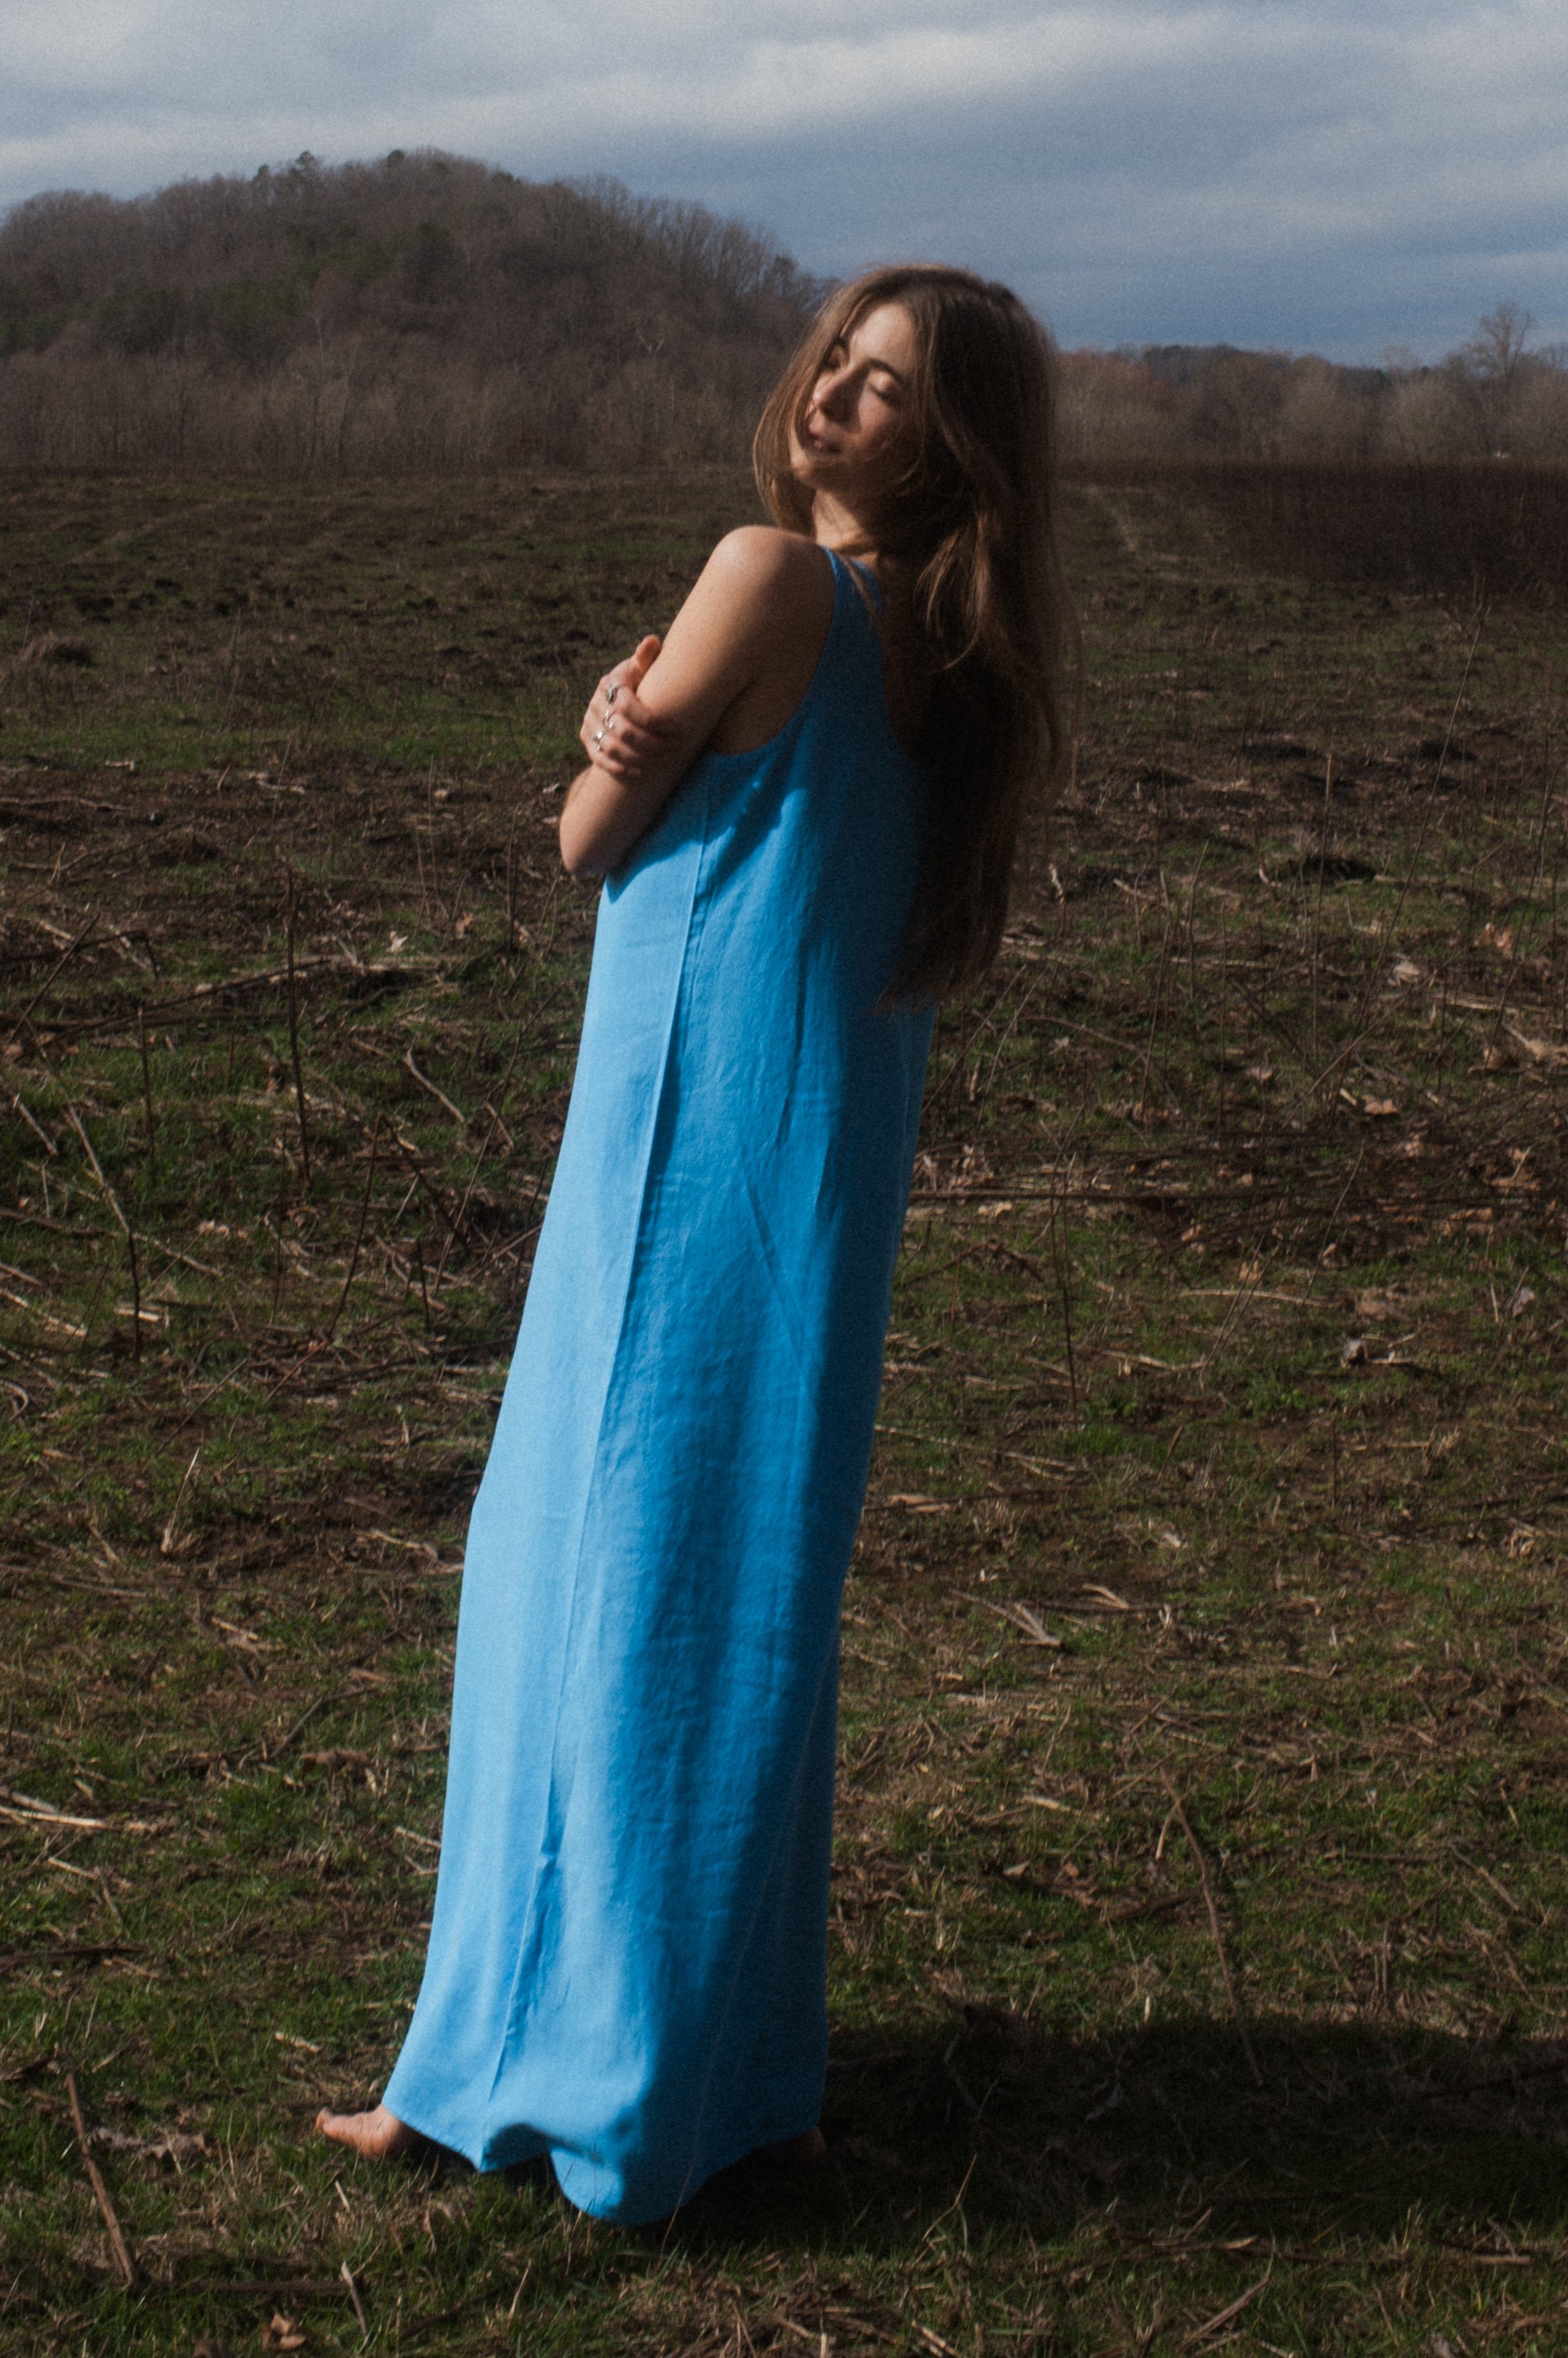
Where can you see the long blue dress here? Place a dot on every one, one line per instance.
(627, 1960)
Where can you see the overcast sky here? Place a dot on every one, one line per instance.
(1333, 176)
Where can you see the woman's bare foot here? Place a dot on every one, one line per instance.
(375, 2135)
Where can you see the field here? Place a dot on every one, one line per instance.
(1198, 1977)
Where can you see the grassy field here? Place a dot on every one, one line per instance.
(1198, 1977)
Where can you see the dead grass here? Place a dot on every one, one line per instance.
(1221, 1465)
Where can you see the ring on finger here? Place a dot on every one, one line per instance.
(610, 694)
(598, 736)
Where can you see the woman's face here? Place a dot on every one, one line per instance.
(854, 438)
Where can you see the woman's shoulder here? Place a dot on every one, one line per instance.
(755, 627)
(763, 565)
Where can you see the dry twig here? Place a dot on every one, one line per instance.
(165, 1544)
(1227, 2316)
(294, 1041)
(1202, 1864)
(347, 2274)
(431, 1090)
(123, 2259)
(359, 1232)
(65, 957)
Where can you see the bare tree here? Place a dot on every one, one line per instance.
(1490, 364)
(1496, 351)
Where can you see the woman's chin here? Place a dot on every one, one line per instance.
(809, 464)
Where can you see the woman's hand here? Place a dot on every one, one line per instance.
(619, 733)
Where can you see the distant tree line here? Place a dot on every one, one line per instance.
(421, 311)
(424, 311)
(1492, 397)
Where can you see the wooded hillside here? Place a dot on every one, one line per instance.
(426, 311)
(423, 310)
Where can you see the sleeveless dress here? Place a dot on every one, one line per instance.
(628, 1955)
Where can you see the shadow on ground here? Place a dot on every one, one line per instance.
(1353, 2124)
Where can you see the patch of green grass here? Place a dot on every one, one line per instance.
(1212, 1361)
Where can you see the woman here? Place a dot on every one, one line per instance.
(806, 802)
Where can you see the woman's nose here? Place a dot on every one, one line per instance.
(830, 392)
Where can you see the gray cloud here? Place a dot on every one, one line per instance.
(1336, 178)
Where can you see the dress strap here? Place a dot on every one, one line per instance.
(865, 581)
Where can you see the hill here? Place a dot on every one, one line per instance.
(423, 310)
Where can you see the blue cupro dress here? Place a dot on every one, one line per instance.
(627, 1960)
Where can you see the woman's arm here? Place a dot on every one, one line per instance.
(749, 635)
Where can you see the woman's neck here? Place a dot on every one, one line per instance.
(847, 531)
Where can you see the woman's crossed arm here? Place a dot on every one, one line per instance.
(737, 658)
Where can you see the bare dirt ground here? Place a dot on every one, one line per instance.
(1197, 1973)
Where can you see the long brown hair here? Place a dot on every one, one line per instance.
(970, 528)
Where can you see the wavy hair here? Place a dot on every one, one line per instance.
(971, 529)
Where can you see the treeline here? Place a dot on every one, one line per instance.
(1492, 398)
(426, 311)
(423, 311)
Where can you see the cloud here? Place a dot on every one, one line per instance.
(1336, 175)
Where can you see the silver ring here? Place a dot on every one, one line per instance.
(597, 736)
(610, 696)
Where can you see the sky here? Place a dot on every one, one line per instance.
(1333, 176)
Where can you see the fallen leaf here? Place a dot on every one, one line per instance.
(178, 2146)
(1539, 1052)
